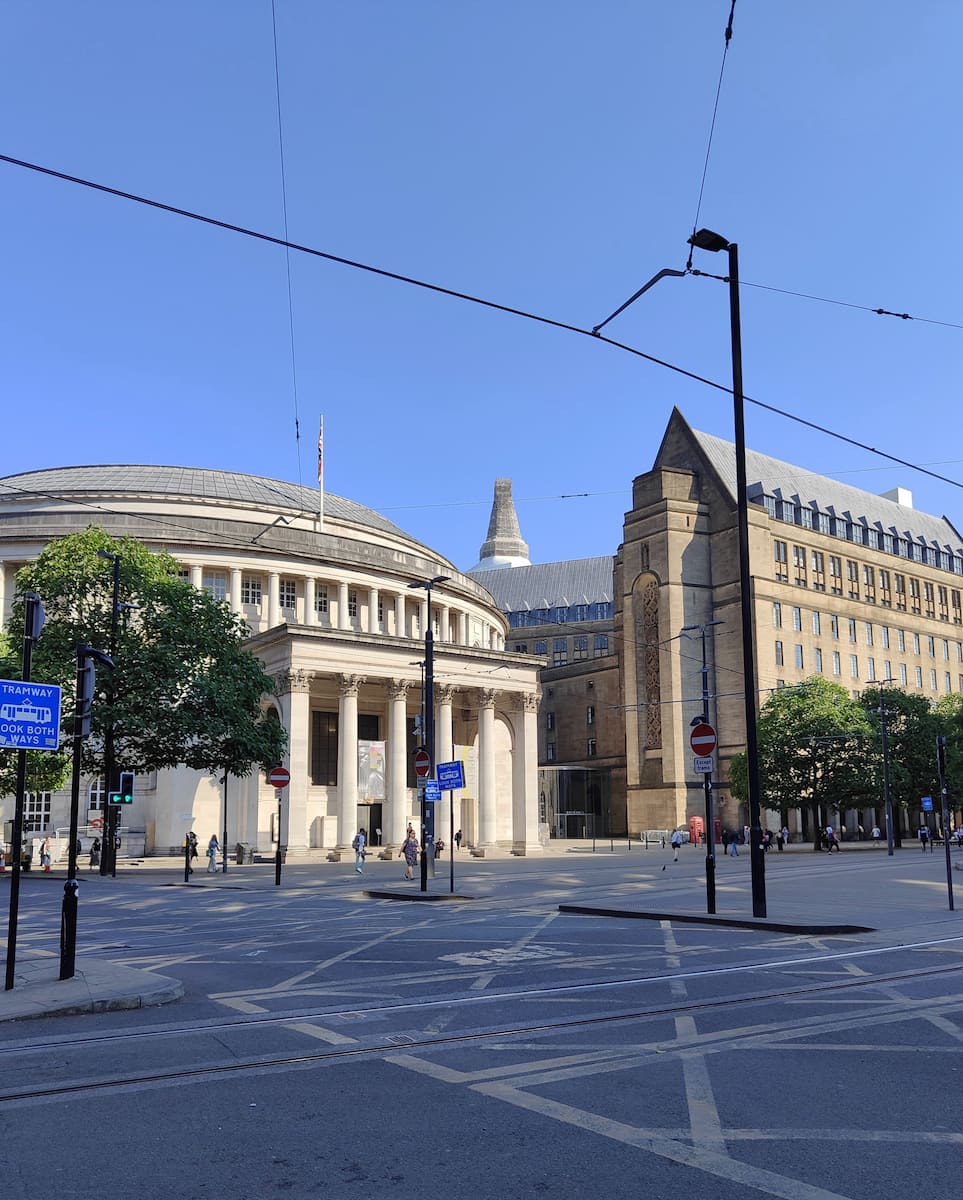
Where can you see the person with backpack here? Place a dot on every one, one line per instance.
(358, 846)
(676, 841)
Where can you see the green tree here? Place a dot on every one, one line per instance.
(814, 753)
(949, 714)
(912, 726)
(184, 690)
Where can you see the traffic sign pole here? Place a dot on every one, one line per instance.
(278, 778)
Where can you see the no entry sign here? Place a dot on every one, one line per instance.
(279, 777)
(702, 739)
(422, 763)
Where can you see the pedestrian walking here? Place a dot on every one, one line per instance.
(924, 836)
(458, 840)
(676, 840)
(785, 835)
(409, 851)
(212, 852)
(358, 846)
(45, 854)
(876, 835)
(94, 854)
(733, 845)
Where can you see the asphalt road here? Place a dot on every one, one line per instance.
(330, 1043)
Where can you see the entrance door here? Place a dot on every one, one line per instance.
(370, 820)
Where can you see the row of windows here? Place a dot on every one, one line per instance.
(561, 614)
(835, 663)
(591, 750)
(589, 718)
(864, 581)
(831, 625)
(861, 535)
(560, 648)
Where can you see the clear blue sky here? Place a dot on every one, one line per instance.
(546, 154)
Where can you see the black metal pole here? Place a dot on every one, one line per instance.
(224, 842)
(707, 788)
(887, 798)
(451, 842)
(31, 600)
(277, 853)
(187, 857)
(757, 860)
(944, 796)
(108, 857)
(429, 733)
(68, 912)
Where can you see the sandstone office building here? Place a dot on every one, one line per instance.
(849, 585)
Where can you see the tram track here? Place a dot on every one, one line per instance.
(387, 1044)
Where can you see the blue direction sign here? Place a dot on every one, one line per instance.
(432, 791)
(451, 775)
(927, 803)
(29, 715)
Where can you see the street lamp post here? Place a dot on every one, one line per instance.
(705, 239)
(884, 739)
(428, 584)
(108, 856)
(707, 777)
(84, 697)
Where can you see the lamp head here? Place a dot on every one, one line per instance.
(705, 239)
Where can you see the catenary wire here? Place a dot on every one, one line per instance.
(439, 289)
(880, 312)
(287, 249)
(712, 127)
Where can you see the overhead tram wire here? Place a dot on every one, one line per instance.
(712, 129)
(457, 295)
(880, 312)
(287, 248)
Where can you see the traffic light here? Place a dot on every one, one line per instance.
(125, 794)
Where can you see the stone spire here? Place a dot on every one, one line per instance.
(504, 546)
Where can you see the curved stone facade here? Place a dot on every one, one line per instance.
(336, 621)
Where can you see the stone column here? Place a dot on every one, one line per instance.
(310, 596)
(394, 819)
(443, 632)
(348, 687)
(197, 577)
(463, 629)
(235, 589)
(486, 769)
(294, 694)
(373, 625)
(401, 628)
(423, 616)
(445, 749)
(274, 599)
(343, 621)
(525, 777)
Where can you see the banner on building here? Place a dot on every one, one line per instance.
(371, 771)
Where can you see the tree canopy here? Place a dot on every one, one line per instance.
(184, 690)
(815, 752)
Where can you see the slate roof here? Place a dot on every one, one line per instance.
(547, 585)
(773, 477)
(189, 482)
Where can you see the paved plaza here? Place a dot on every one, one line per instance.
(331, 1033)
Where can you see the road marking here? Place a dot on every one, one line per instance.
(322, 1034)
(697, 1157)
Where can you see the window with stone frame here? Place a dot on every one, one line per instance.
(321, 598)
(288, 591)
(250, 589)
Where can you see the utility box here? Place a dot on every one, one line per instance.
(243, 853)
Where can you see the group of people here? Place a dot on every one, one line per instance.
(213, 850)
(409, 849)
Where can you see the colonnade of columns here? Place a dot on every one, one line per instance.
(294, 693)
(369, 609)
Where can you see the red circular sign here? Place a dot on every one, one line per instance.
(703, 739)
(422, 763)
(279, 777)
